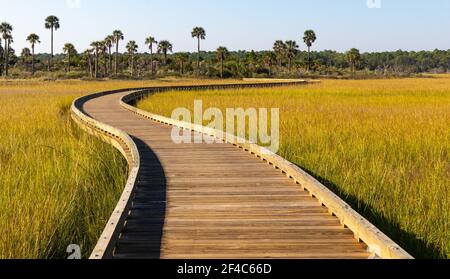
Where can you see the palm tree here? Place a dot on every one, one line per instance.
(1, 57)
(6, 30)
(109, 41)
(104, 52)
(269, 59)
(280, 51)
(291, 51)
(309, 38)
(221, 54)
(200, 34)
(87, 54)
(33, 39)
(69, 50)
(26, 52)
(181, 58)
(150, 41)
(164, 47)
(353, 57)
(132, 48)
(118, 36)
(52, 23)
(96, 46)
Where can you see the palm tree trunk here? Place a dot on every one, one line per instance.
(110, 60)
(309, 58)
(151, 60)
(132, 65)
(1, 65)
(68, 62)
(6, 57)
(117, 56)
(221, 68)
(90, 65)
(51, 56)
(105, 64)
(96, 64)
(198, 57)
(32, 60)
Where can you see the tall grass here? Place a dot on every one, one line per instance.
(58, 186)
(382, 145)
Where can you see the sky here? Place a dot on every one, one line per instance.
(369, 25)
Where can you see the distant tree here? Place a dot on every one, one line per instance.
(150, 41)
(118, 36)
(252, 59)
(181, 59)
(279, 49)
(200, 34)
(109, 42)
(132, 48)
(33, 39)
(2, 57)
(6, 31)
(353, 58)
(291, 52)
(69, 50)
(269, 60)
(221, 54)
(164, 47)
(25, 54)
(104, 54)
(309, 38)
(52, 23)
(97, 47)
(87, 54)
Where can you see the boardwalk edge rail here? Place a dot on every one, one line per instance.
(122, 142)
(378, 243)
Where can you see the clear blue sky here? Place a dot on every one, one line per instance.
(237, 24)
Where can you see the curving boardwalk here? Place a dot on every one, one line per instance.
(215, 201)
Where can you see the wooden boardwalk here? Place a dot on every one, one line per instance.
(216, 201)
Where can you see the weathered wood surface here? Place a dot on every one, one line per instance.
(215, 201)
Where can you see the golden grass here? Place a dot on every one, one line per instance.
(58, 186)
(382, 145)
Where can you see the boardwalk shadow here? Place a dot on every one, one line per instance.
(143, 233)
(416, 246)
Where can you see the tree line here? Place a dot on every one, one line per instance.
(103, 59)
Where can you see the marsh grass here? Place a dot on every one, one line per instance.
(382, 145)
(58, 185)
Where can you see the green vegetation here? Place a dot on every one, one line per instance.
(382, 145)
(58, 185)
